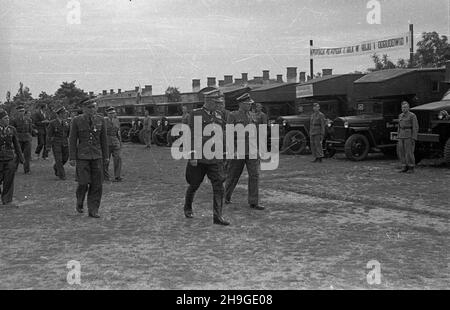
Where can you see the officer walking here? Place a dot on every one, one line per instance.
(236, 165)
(317, 133)
(41, 121)
(408, 129)
(9, 144)
(88, 150)
(196, 169)
(114, 144)
(24, 128)
(58, 133)
(147, 130)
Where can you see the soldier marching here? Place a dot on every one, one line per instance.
(24, 128)
(57, 137)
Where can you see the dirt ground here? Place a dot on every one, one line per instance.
(323, 223)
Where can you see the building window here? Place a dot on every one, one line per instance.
(435, 87)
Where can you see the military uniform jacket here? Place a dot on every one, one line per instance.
(207, 118)
(38, 120)
(58, 132)
(317, 124)
(244, 118)
(260, 118)
(24, 128)
(113, 131)
(87, 139)
(408, 126)
(9, 144)
(148, 123)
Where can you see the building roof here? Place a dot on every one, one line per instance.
(273, 86)
(433, 106)
(323, 78)
(385, 75)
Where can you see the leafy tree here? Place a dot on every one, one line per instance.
(68, 95)
(173, 94)
(432, 50)
(23, 96)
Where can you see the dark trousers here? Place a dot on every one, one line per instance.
(25, 146)
(7, 172)
(61, 155)
(195, 176)
(117, 161)
(235, 168)
(90, 182)
(42, 144)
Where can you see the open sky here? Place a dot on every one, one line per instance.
(120, 43)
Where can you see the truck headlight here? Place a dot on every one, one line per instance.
(284, 123)
(329, 123)
(346, 125)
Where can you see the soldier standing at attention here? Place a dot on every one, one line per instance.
(88, 150)
(24, 128)
(58, 133)
(9, 144)
(41, 121)
(408, 129)
(114, 144)
(196, 169)
(147, 130)
(317, 127)
(185, 116)
(236, 165)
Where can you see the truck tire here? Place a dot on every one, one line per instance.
(158, 138)
(447, 152)
(294, 142)
(124, 131)
(357, 147)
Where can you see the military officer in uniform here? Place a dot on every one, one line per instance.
(88, 150)
(236, 166)
(408, 129)
(9, 144)
(317, 127)
(57, 134)
(24, 128)
(40, 121)
(114, 144)
(196, 169)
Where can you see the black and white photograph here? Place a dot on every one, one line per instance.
(225, 150)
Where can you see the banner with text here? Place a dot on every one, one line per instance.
(366, 47)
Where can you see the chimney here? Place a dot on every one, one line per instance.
(104, 92)
(221, 83)
(148, 89)
(111, 91)
(291, 75)
(244, 77)
(266, 76)
(211, 82)
(195, 85)
(302, 77)
(279, 78)
(326, 72)
(119, 91)
(238, 81)
(447, 71)
(228, 79)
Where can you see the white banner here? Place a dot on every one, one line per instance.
(366, 47)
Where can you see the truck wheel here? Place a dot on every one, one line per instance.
(294, 143)
(158, 137)
(357, 147)
(447, 152)
(124, 131)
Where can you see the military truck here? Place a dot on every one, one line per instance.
(433, 140)
(333, 93)
(379, 96)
